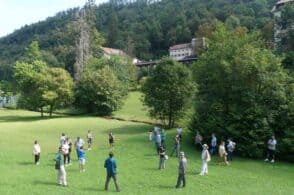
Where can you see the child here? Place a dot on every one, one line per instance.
(37, 152)
(82, 158)
(205, 157)
(222, 153)
(90, 139)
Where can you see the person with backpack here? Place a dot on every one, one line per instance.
(205, 158)
(59, 166)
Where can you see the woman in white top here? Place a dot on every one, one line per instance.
(37, 152)
(222, 153)
(205, 157)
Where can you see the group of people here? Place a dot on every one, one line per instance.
(225, 151)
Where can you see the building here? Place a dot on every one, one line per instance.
(108, 52)
(182, 51)
(278, 30)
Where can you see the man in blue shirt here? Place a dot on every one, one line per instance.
(110, 165)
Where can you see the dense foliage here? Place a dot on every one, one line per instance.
(142, 28)
(244, 93)
(168, 91)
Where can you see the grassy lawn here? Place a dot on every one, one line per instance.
(137, 162)
(133, 109)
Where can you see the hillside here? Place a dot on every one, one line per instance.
(141, 28)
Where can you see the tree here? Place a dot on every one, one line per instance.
(41, 86)
(99, 91)
(168, 91)
(242, 90)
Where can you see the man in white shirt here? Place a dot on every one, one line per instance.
(62, 139)
(271, 149)
(37, 152)
(65, 150)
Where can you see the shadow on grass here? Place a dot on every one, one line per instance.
(25, 163)
(130, 129)
(18, 118)
(91, 189)
(47, 183)
(166, 186)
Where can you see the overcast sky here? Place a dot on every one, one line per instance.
(16, 13)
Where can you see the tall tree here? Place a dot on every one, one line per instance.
(168, 91)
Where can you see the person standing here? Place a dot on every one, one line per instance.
(157, 141)
(162, 157)
(150, 135)
(230, 147)
(62, 139)
(213, 144)
(198, 141)
(222, 153)
(89, 139)
(69, 143)
(180, 132)
(271, 149)
(37, 152)
(65, 150)
(61, 176)
(78, 144)
(82, 158)
(176, 146)
(205, 157)
(162, 136)
(110, 165)
(182, 170)
(111, 139)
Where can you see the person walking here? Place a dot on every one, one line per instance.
(37, 152)
(78, 144)
(205, 157)
(62, 139)
(89, 139)
(180, 133)
(82, 158)
(150, 135)
(182, 170)
(110, 165)
(69, 143)
(111, 139)
(213, 144)
(271, 149)
(230, 147)
(162, 157)
(59, 165)
(198, 141)
(222, 153)
(176, 146)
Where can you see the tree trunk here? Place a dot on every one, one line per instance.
(51, 110)
(42, 111)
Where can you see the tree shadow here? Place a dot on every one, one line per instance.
(19, 118)
(25, 163)
(130, 129)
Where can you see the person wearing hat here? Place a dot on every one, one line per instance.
(182, 170)
(205, 157)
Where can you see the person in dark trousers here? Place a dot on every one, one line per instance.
(230, 147)
(182, 170)
(176, 146)
(110, 165)
(271, 149)
(111, 139)
(162, 157)
(37, 152)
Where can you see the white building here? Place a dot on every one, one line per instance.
(181, 51)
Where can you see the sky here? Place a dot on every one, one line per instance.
(16, 13)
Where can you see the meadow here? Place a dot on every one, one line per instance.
(136, 159)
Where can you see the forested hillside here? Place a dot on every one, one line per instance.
(142, 28)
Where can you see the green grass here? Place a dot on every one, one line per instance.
(133, 109)
(137, 162)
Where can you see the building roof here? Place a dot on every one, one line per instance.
(112, 51)
(180, 46)
(279, 3)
